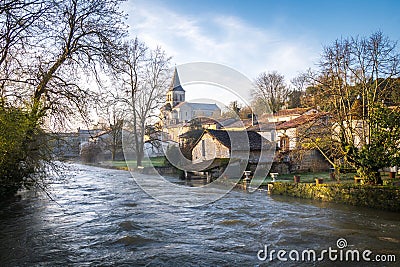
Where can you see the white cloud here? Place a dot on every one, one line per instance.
(221, 39)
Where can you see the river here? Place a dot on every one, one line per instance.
(100, 217)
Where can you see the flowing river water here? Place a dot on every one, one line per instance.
(100, 217)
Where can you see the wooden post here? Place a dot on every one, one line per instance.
(270, 188)
(208, 177)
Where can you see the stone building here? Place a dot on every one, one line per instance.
(176, 110)
(220, 144)
(291, 136)
(177, 113)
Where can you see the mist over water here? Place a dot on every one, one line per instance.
(101, 217)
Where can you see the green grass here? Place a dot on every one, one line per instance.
(307, 177)
(156, 162)
(310, 177)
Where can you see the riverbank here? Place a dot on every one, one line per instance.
(377, 197)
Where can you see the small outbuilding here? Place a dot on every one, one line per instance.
(217, 144)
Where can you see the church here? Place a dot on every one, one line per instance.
(177, 111)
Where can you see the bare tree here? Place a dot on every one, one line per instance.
(16, 18)
(295, 96)
(355, 75)
(16, 29)
(143, 74)
(232, 110)
(70, 39)
(47, 47)
(112, 114)
(271, 89)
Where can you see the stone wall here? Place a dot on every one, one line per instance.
(212, 149)
(309, 161)
(378, 197)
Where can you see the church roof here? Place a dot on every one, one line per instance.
(176, 83)
(199, 106)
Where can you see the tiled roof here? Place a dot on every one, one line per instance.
(226, 122)
(236, 140)
(292, 111)
(262, 126)
(300, 121)
(243, 123)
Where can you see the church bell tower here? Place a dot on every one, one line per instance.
(175, 94)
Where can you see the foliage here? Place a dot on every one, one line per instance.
(48, 48)
(22, 151)
(90, 152)
(295, 98)
(378, 197)
(383, 148)
(297, 94)
(355, 78)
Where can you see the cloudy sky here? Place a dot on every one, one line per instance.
(255, 36)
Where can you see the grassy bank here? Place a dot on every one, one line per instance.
(122, 164)
(378, 197)
(308, 177)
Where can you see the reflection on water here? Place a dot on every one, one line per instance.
(101, 217)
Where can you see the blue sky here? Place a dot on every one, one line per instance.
(256, 36)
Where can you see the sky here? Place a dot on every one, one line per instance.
(256, 36)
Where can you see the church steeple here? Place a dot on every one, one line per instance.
(175, 94)
(175, 80)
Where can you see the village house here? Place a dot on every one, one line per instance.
(217, 144)
(291, 114)
(291, 134)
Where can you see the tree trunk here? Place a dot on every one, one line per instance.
(139, 157)
(113, 154)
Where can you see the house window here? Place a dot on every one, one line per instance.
(284, 143)
(203, 148)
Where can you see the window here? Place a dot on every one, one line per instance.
(284, 143)
(203, 148)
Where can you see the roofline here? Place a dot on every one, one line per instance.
(201, 136)
(207, 130)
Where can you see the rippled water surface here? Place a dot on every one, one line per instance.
(100, 217)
